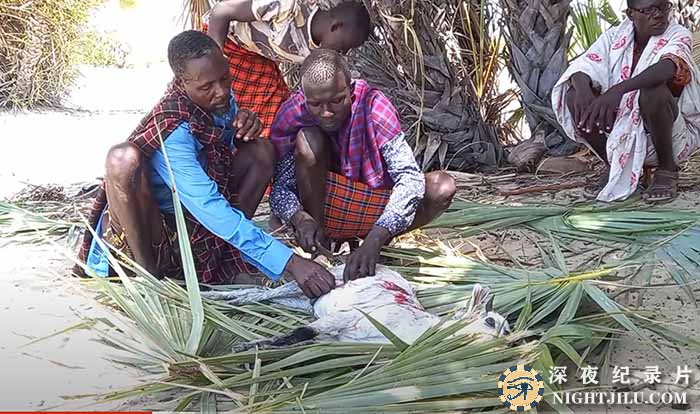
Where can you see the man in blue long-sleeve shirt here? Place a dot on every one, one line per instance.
(220, 172)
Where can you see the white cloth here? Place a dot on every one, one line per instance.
(609, 62)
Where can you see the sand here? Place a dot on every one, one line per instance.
(36, 296)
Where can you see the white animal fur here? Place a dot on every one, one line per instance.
(391, 300)
(387, 297)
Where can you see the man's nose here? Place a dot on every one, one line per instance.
(327, 113)
(221, 92)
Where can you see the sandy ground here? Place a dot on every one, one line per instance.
(37, 300)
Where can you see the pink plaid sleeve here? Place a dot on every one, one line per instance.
(384, 119)
(291, 118)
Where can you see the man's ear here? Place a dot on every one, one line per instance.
(489, 303)
(628, 12)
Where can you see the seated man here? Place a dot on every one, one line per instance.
(258, 34)
(634, 98)
(345, 168)
(217, 176)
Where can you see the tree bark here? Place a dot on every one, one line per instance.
(688, 13)
(538, 42)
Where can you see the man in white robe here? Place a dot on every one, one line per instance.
(634, 99)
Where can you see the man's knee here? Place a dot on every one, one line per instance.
(656, 101)
(440, 187)
(311, 146)
(123, 163)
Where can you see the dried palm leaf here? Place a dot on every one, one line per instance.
(427, 58)
(688, 13)
(689, 175)
(193, 12)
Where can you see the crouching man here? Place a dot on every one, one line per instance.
(220, 171)
(634, 98)
(345, 169)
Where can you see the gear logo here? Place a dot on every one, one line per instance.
(520, 388)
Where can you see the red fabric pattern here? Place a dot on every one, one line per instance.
(352, 208)
(257, 84)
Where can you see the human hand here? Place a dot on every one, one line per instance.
(309, 233)
(582, 101)
(313, 279)
(247, 124)
(362, 262)
(601, 113)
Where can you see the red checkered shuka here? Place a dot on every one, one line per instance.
(216, 261)
(352, 208)
(257, 83)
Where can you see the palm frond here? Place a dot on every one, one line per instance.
(563, 311)
(21, 226)
(569, 316)
(193, 12)
(669, 235)
(589, 20)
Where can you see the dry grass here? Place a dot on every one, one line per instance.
(38, 49)
(689, 175)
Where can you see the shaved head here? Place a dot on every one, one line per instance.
(322, 66)
(326, 83)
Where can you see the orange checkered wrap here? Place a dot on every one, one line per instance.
(257, 84)
(352, 208)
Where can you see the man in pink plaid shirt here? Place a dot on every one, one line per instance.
(345, 170)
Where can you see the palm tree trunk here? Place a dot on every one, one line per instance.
(411, 61)
(538, 41)
(688, 13)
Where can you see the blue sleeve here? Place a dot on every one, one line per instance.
(201, 197)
